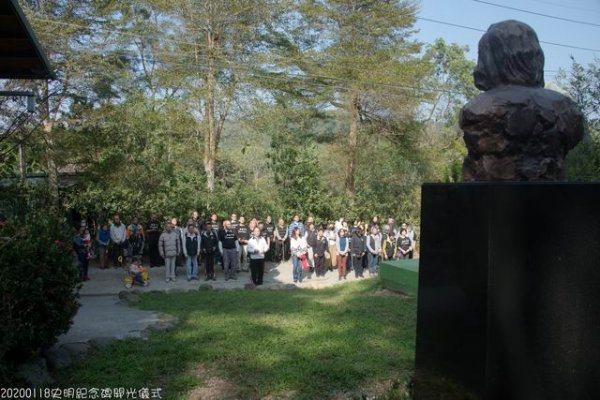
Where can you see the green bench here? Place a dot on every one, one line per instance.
(400, 276)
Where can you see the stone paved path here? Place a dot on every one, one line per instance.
(110, 281)
(103, 316)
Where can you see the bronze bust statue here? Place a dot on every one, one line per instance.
(516, 130)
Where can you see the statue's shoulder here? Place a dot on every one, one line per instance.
(505, 100)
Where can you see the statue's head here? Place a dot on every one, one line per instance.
(509, 54)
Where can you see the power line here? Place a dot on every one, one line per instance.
(451, 24)
(570, 7)
(483, 30)
(226, 62)
(286, 77)
(170, 40)
(279, 75)
(575, 21)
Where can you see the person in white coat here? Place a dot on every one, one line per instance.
(257, 247)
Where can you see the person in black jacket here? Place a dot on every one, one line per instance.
(311, 240)
(404, 245)
(216, 227)
(321, 247)
(229, 247)
(281, 241)
(209, 245)
(243, 235)
(270, 231)
(191, 247)
(357, 249)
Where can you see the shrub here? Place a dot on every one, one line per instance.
(38, 288)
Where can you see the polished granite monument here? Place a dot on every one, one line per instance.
(509, 279)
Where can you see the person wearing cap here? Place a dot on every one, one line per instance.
(210, 247)
(257, 248)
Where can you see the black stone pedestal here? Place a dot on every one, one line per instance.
(509, 292)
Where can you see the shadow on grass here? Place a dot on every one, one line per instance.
(300, 344)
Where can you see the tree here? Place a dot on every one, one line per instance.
(451, 82)
(216, 49)
(583, 85)
(369, 63)
(442, 148)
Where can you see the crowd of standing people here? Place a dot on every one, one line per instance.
(236, 245)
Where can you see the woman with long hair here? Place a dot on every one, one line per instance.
(331, 239)
(342, 246)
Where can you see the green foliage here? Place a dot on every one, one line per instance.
(583, 162)
(298, 176)
(583, 85)
(291, 99)
(299, 344)
(452, 77)
(38, 280)
(390, 185)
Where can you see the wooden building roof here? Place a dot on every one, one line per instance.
(21, 56)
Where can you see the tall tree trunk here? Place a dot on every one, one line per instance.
(210, 139)
(48, 124)
(353, 110)
(22, 166)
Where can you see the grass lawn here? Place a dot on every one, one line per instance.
(334, 343)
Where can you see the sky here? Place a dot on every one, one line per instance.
(477, 14)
